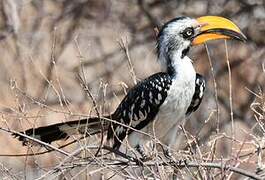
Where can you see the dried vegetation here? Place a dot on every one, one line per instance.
(46, 46)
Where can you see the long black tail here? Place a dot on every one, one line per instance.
(48, 134)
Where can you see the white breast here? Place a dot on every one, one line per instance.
(172, 111)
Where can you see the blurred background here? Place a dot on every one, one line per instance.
(45, 44)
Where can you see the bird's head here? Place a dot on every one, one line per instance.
(177, 36)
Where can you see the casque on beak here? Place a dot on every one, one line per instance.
(214, 27)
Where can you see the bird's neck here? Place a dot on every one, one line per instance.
(175, 63)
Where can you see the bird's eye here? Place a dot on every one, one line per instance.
(188, 32)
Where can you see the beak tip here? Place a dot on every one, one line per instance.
(245, 39)
(242, 37)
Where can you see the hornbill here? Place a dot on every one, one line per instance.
(161, 102)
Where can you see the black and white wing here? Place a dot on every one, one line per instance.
(140, 106)
(200, 85)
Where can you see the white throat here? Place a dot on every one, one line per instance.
(184, 69)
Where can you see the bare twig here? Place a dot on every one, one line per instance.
(35, 140)
(230, 95)
(5, 170)
(44, 152)
(214, 165)
(86, 89)
(52, 63)
(124, 47)
(215, 90)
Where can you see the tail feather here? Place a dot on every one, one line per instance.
(60, 131)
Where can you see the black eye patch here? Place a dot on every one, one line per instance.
(188, 33)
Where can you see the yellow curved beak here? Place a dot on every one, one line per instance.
(214, 27)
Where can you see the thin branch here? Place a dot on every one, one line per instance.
(215, 89)
(43, 152)
(86, 89)
(52, 63)
(125, 48)
(230, 95)
(35, 140)
(181, 164)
